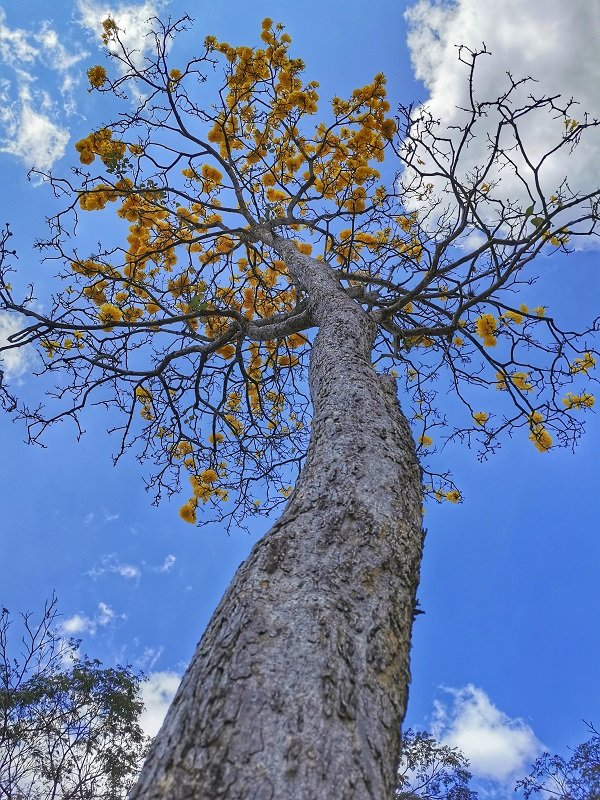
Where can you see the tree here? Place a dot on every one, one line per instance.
(68, 726)
(576, 778)
(432, 771)
(266, 254)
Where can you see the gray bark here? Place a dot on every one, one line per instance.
(298, 688)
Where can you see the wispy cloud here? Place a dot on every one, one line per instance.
(167, 564)
(100, 518)
(111, 564)
(498, 747)
(157, 693)
(81, 623)
(30, 134)
(13, 362)
(38, 65)
(133, 19)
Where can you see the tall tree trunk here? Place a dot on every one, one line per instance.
(298, 688)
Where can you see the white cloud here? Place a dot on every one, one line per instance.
(167, 564)
(157, 693)
(80, 623)
(498, 747)
(111, 563)
(31, 135)
(105, 614)
(149, 657)
(15, 47)
(126, 571)
(31, 128)
(13, 362)
(524, 42)
(134, 21)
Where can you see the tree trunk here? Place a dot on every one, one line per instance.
(298, 688)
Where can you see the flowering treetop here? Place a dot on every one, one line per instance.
(189, 318)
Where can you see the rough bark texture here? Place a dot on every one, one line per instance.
(298, 687)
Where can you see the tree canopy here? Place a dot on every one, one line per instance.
(187, 319)
(68, 726)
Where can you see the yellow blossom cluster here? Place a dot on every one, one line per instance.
(96, 76)
(336, 161)
(583, 364)
(109, 313)
(539, 435)
(518, 379)
(517, 316)
(204, 488)
(100, 144)
(480, 417)
(578, 401)
(485, 327)
(145, 398)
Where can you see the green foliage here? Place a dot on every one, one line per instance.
(430, 770)
(577, 778)
(68, 726)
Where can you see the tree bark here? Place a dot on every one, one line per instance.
(298, 688)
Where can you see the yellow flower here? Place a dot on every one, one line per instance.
(96, 76)
(201, 490)
(425, 440)
(142, 394)
(514, 316)
(187, 512)
(217, 437)
(541, 438)
(485, 327)
(539, 311)
(457, 341)
(521, 381)
(50, 346)
(584, 400)
(108, 313)
(182, 448)
(175, 74)
(480, 417)
(209, 476)
(453, 496)
(234, 423)
(583, 364)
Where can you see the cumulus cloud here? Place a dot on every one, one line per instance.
(31, 134)
(133, 19)
(80, 623)
(524, 42)
(12, 362)
(157, 693)
(31, 125)
(498, 747)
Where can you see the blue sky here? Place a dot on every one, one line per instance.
(505, 658)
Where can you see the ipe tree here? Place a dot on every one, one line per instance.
(262, 302)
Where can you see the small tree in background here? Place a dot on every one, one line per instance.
(430, 770)
(68, 726)
(264, 280)
(553, 777)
